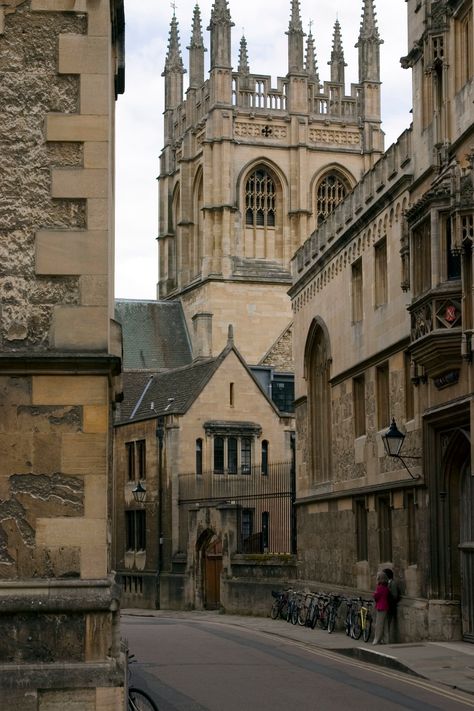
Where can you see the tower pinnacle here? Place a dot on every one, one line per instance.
(243, 57)
(174, 60)
(295, 39)
(174, 69)
(196, 52)
(337, 62)
(368, 25)
(220, 29)
(311, 65)
(197, 41)
(368, 44)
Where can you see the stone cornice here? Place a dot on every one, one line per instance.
(23, 364)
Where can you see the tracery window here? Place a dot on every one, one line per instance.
(260, 199)
(330, 191)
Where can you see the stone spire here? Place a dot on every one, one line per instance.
(174, 60)
(196, 52)
(295, 39)
(174, 69)
(337, 62)
(220, 29)
(243, 57)
(368, 44)
(311, 64)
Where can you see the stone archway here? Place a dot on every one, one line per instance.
(447, 464)
(460, 531)
(209, 569)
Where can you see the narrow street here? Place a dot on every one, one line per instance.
(189, 664)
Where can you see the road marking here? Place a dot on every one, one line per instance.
(424, 684)
(405, 678)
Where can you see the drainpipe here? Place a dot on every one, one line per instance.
(160, 431)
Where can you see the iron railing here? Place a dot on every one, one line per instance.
(263, 499)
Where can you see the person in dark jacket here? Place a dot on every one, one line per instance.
(393, 599)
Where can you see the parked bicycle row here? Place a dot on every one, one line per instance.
(324, 610)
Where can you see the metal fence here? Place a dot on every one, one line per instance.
(264, 500)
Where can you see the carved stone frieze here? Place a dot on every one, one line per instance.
(334, 136)
(260, 130)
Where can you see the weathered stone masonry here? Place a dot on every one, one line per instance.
(60, 69)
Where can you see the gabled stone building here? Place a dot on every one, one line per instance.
(212, 452)
(382, 298)
(61, 66)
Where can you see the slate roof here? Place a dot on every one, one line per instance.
(155, 336)
(174, 391)
(133, 385)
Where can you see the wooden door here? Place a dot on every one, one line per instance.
(466, 550)
(213, 570)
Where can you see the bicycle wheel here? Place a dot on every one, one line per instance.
(332, 621)
(138, 700)
(284, 610)
(302, 615)
(275, 611)
(323, 618)
(367, 628)
(356, 627)
(294, 614)
(348, 624)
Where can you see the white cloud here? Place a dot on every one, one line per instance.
(139, 110)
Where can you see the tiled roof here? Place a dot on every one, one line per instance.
(174, 391)
(134, 383)
(155, 336)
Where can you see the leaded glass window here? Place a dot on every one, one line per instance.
(260, 199)
(331, 190)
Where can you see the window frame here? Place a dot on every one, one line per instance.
(357, 289)
(362, 531)
(358, 400)
(382, 386)
(385, 528)
(380, 273)
(260, 199)
(334, 195)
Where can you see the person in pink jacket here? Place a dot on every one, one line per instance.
(382, 605)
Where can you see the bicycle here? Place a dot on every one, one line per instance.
(138, 700)
(333, 607)
(294, 606)
(350, 623)
(280, 604)
(365, 613)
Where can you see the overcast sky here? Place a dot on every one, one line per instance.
(140, 109)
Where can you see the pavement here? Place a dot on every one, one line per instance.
(448, 663)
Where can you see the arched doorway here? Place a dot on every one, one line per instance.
(208, 578)
(460, 494)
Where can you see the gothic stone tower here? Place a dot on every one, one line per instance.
(248, 170)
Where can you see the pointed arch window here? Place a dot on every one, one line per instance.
(329, 193)
(260, 199)
(320, 409)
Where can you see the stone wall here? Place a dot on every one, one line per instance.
(58, 354)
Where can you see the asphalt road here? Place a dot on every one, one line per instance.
(196, 665)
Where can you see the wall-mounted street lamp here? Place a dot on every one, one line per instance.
(139, 493)
(393, 441)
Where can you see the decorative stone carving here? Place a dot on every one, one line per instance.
(259, 130)
(339, 137)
